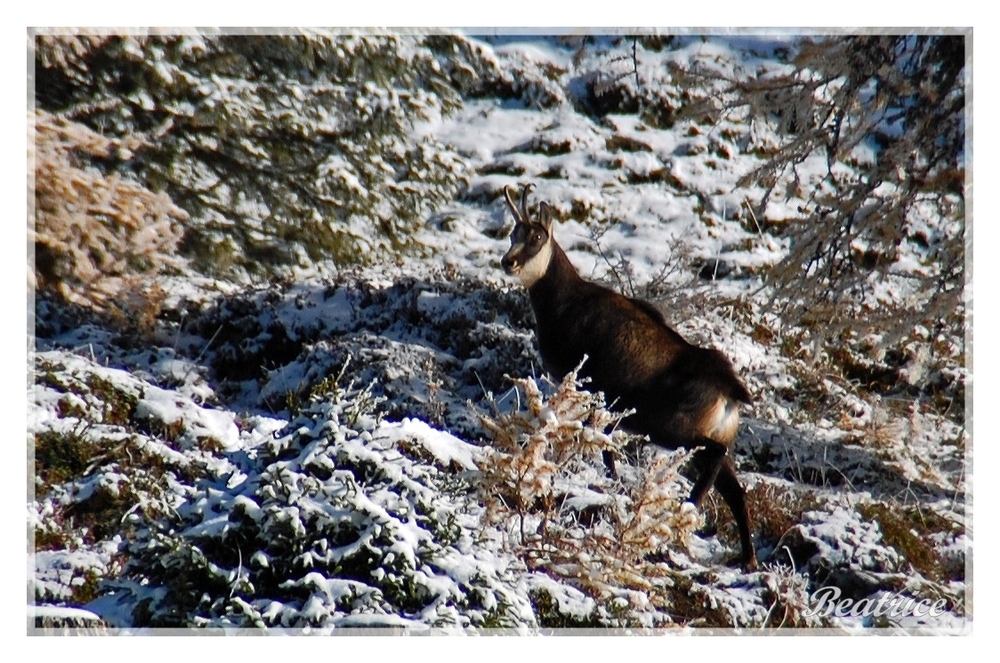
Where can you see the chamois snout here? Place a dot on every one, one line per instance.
(509, 264)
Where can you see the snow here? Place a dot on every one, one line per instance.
(162, 405)
(446, 448)
(61, 612)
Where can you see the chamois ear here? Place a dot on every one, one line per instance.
(545, 216)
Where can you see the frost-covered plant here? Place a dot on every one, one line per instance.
(545, 483)
(618, 81)
(517, 75)
(869, 131)
(99, 239)
(337, 523)
(282, 148)
(789, 594)
(109, 450)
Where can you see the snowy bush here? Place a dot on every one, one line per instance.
(428, 343)
(618, 79)
(108, 449)
(342, 521)
(525, 75)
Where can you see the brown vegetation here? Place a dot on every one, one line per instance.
(99, 240)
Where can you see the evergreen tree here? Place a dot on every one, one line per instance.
(280, 148)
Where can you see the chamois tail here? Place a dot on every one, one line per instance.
(740, 393)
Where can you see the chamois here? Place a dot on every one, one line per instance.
(682, 395)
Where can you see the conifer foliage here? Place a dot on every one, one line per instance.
(280, 148)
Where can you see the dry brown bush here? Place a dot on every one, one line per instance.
(99, 240)
(544, 479)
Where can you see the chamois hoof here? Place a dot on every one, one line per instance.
(740, 562)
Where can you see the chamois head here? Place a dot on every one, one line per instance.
(530, 241)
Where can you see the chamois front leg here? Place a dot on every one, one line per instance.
(609, 462)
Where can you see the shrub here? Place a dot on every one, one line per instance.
(546, 483)
(342, 521)
(99, 240)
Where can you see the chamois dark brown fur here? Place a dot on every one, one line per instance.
(683, 395)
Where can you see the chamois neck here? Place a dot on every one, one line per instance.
(556, 281)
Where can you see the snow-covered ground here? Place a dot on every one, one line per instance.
(306, 454)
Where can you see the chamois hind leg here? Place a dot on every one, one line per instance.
(732, 492)
(713, 466)
(706, 462)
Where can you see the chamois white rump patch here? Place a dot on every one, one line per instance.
(721, 420)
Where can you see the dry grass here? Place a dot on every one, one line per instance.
(99, 239)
